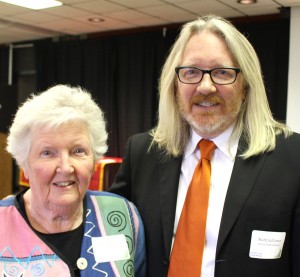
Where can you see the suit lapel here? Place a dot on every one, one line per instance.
(169, 172)
(242, 180)
(241, 183)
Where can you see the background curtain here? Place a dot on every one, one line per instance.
(122, 72)
(270, 39)
(4, 53)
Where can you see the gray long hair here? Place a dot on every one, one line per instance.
(255, 121)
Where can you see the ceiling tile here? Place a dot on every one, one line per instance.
(20, 24)
(99, 6)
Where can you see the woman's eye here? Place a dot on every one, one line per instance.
(46, 153)
(79, 151)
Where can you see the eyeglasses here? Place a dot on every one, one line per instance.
(194, 75)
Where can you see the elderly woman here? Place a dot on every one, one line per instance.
(58, 227)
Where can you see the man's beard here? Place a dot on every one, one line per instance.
(210, 125)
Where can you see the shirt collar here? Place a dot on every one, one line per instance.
(222, 142)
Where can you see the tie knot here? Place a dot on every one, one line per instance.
(206, 148)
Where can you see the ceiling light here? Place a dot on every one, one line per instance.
(246, 2)
(96, 19)
(34, 4)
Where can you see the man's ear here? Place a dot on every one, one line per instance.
(245, 91)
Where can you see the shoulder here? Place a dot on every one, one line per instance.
(291, 141)
(109, 198)
(295, 136)
(142, 136)
(104, 194)
(287, 150)
(141, 139)
(112, 201)
(142, 151)
(138, 147)
(7, 201)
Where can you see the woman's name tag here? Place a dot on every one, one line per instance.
(110, 248)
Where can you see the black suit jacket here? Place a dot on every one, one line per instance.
(263, 194)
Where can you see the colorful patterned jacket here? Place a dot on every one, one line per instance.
(24, 253)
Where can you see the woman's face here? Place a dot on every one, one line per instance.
(59, 166)
(209, 108)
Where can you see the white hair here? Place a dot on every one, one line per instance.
(57, 105)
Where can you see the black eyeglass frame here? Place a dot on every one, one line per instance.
(208, 71)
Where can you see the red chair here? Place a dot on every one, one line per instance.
(104, 173)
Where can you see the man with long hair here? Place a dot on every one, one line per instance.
(211, 88)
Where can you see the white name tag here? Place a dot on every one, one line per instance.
(266, 245)
(110, 248)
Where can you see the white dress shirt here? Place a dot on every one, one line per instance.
(221, 168)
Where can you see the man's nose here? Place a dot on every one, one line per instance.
(206, 85)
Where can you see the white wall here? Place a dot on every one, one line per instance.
(293, 100)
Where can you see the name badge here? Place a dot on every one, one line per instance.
(110, 248)
(266, 245)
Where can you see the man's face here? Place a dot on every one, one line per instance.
(209, 108)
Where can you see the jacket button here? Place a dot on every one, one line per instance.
(82, 263)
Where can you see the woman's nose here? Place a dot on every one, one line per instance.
(65, 164)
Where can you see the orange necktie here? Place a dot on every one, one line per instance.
(187, 253)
